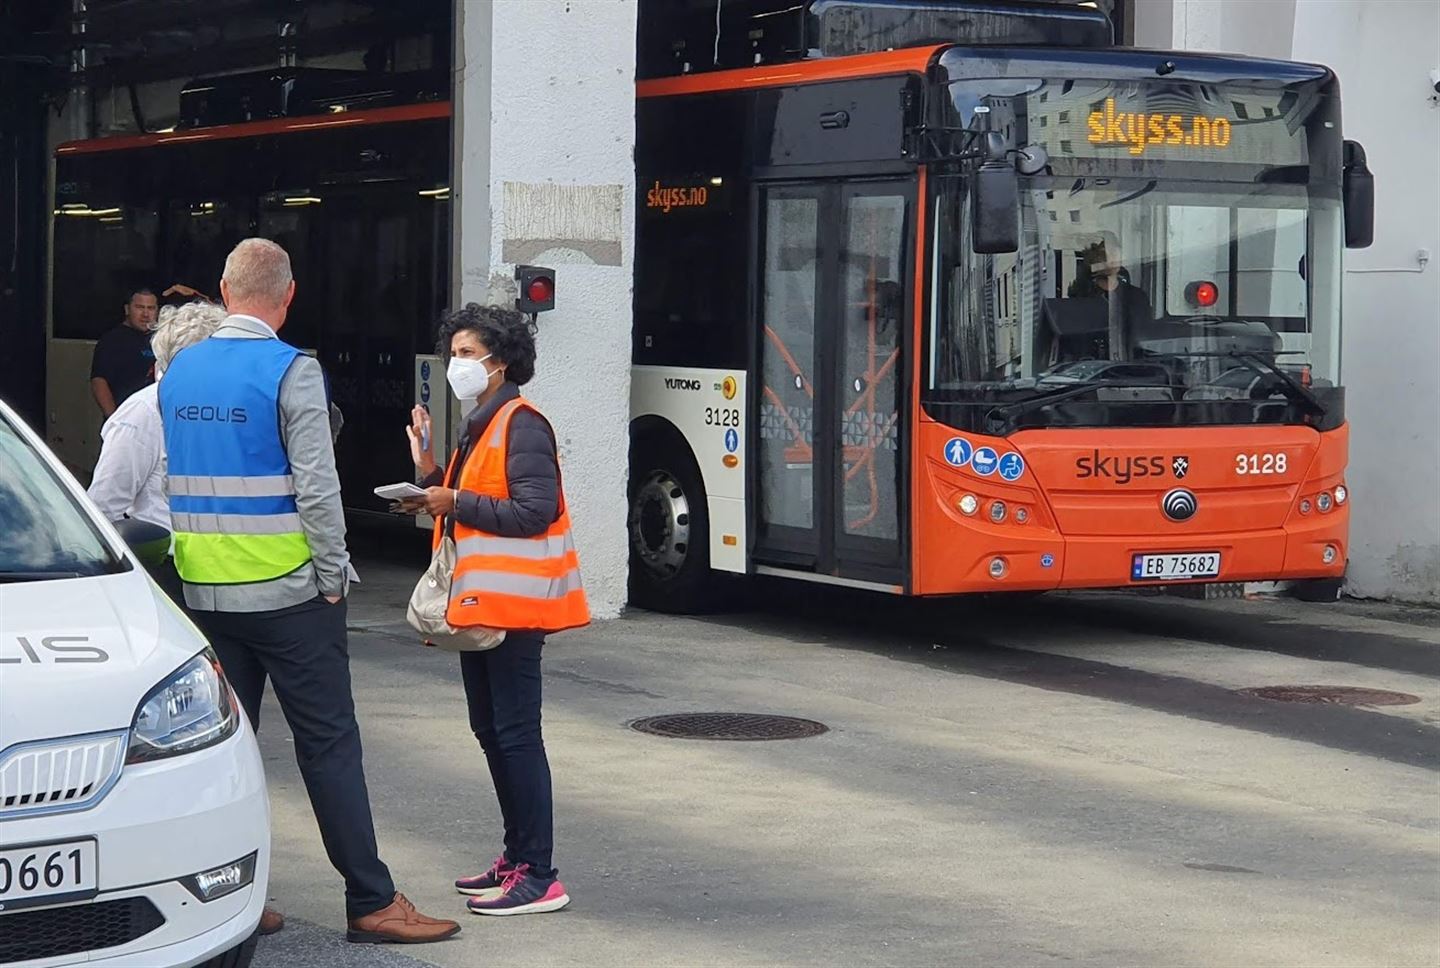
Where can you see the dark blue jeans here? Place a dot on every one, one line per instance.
(502, 688)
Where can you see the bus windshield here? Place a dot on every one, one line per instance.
(1154, 267)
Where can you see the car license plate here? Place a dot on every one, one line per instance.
(1195, 564)
(47, 874)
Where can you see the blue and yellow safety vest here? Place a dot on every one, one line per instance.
(232, 495)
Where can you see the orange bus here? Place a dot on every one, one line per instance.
(941, 298)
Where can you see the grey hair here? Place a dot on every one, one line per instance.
(182, 326)
(257, 270)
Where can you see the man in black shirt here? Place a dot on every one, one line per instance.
(123, 361)
(1112, 283)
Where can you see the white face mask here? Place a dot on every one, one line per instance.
(468, 378)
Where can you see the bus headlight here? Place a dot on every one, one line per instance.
(998, 567)
(1341, 494)
(998, 511)
(968, 504)
(1324, 501)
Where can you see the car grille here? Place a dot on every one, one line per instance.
(52, 932)
(59, 775)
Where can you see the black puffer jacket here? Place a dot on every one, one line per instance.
(531, 470)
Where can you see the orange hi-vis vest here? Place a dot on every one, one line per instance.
(511, 583)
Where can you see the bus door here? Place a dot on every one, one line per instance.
(829, 477)
(367, 343)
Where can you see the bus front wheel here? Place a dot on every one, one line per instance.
(669, 533)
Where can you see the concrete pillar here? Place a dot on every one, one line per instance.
(544, 174)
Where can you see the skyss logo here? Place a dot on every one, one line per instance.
(1121, 470)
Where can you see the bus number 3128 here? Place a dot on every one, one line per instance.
(1260, 463)
(721, 417)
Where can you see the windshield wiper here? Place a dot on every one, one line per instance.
(1296, 390)
(1000, 419)
(19, 576)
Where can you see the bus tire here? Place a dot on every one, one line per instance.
(669, 530)
(1324, 591)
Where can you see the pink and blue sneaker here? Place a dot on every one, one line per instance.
(522, 892)
(489, 884)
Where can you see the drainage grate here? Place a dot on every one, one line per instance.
(728, 726)
(1338, 695)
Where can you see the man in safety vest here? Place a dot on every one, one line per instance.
(260, 544)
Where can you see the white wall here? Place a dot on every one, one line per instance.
(545, 175)
(1382, 52)
(1258, 27)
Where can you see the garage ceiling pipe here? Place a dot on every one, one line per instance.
(82, 111)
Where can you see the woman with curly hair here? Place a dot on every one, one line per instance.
(516, 571)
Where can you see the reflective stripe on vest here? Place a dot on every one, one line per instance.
(199, 523)
(511, 583)
(232, 494)
(277, 486)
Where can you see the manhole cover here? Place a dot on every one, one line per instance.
(728, 726)
(1339, 695)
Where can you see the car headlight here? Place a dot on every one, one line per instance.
(190, 709)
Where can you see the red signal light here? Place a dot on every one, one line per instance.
(537, 289)
(1202, 294)
(541, 290)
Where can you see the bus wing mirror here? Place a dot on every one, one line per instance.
(995, 208)
(1359, 198)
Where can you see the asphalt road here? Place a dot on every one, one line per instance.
(1069, 779)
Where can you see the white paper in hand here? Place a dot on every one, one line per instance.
(399, 492)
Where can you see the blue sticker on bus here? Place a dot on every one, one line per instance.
(425, 370)
(1012, 465)
(732, 440)
(958, 451)
(984, 461)
(1047, 560)
(424, 393)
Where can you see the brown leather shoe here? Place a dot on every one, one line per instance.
(271, 921)
(400, 923)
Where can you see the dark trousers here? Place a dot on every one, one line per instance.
(502, 688)
(304, 651)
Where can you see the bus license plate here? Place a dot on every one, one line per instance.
(1196, 564)
(47, 874)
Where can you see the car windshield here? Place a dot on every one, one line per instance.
(44, 534)
(1192, 270)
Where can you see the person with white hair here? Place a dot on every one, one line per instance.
(260, 545)
(129, 479)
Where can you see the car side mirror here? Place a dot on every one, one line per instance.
(1359, 198)
(149, 542)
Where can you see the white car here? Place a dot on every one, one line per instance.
(134, 821)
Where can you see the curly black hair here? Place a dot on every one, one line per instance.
(508, 334)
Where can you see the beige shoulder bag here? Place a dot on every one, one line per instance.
(431, 598)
